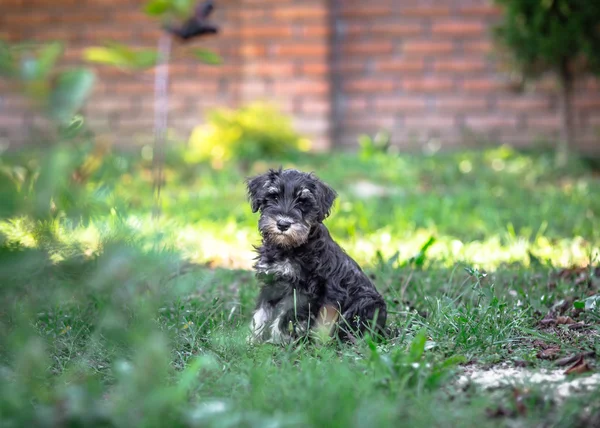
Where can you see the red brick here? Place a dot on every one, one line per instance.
(480, 10)
(254, 88)
(427, 47)
(32, 17)
(127, 17)
(425, 11)
(371, 123)
(483, 84)
(253, 51)
(428, 84)
(400, 65)
(429, 122)
(478, 47)
(365, 10)
(548, 122)
(315, 68)
(400, 103)
(369, 85)
(270, 69)
(300, 12)
(348, 67)
(315, 31)
(266, 32)
(587, 102)
(311, 125)
(491, 122)
(302, 50)
(458, 28)
(368, 48)
(384, 29)
(311, 106)
(355, 104)
(318, 87)
(524, 103)
(457, 65)
(460, 103)
(194, 86)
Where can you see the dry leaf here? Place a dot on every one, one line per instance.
(565, 320)
(569, 360)
(549, 353)
(580, 366)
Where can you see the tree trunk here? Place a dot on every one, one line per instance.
(566, 142)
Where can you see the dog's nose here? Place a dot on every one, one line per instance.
(283, 225)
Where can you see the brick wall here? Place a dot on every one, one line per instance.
(421, 69)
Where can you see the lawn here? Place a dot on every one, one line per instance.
(488, 261)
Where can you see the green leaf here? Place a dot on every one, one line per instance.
(578, 304)
(68, 95)
(156, 7)
(453, 361)
(417, 346)
(421, 256)
(121, 56)
(7, 61)
(208, 57)
(47, 59)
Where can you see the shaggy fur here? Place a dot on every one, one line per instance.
(301, 269)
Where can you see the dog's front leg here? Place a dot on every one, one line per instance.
(261, 320)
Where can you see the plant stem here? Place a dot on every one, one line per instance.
(566, 142)
(161, 110)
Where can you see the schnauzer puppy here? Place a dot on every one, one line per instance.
(307, 281)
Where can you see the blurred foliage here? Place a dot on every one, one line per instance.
(370, 147)
(559, 36)
(162, 8)
(251, 133)
(51, 183)
(32, 68)
(542, 35)
(127, 58)
(121, 56)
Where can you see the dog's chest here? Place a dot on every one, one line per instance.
(285, 269)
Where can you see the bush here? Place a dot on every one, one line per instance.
(254, 132)
(559, 36)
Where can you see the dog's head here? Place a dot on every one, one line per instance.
(290, 203)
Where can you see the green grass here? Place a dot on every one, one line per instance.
(128, 321)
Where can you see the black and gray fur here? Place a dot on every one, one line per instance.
(300, 268)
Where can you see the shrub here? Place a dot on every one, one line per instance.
(254, 132)
(560, 36)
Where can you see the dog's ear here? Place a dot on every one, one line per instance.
(257, 190)
(325, 196)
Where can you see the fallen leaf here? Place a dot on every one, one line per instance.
(548, 321)
(549, 353)
(580, 366)
(569, 360)
(577, 326)
(565, 320)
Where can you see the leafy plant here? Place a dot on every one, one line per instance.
(257, 131)
(372, 146)
(560, 36)
(32, 67)
(411, 368)
(52, 182)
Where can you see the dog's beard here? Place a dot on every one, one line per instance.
(295, 236)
